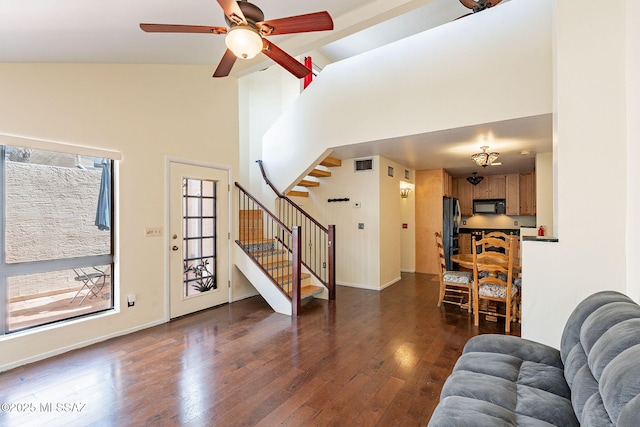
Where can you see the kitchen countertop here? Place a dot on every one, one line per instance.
(539, 239)
(515, 231)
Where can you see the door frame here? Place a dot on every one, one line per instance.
(167, 224)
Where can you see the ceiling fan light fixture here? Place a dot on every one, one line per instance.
(484, 159)
(244, 41)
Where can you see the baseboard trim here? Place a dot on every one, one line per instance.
(58, 351)
(369, 287)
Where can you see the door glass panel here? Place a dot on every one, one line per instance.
(199, 234)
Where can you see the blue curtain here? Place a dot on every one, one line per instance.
(103, 211)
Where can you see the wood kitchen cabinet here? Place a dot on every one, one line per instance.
(447, 184)
(491, 187)
(527, 183)
(464, 194)
(513, 194)
(464, 243)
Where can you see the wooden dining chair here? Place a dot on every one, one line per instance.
(498, 235)
(455, 286)
(493, 280)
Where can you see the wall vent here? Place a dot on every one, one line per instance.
(363, 165)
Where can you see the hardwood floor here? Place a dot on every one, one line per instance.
(368, 359)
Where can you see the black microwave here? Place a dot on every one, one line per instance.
(490, 206)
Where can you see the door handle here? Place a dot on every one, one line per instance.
(174, 248)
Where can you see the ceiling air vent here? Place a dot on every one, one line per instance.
(363, 165)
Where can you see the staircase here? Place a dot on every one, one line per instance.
(328, 162)
(270, 254)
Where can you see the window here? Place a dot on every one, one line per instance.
(56, 236)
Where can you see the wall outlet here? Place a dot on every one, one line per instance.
(153, 232)
(515, 223)
(131, 300)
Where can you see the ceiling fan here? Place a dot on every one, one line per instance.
(246, 34)
(478, 6)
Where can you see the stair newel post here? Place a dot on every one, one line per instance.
(331, 279)
(297, 267)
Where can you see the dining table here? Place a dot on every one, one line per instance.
(466, 261)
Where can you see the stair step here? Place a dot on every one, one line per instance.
(269, 254)
(295, 193)
(308, 183)
(275, 262)
(309, 291)
(258, 245)
(320, 173)
(331, 162)
(286, 279)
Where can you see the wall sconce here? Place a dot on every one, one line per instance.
(404, 192)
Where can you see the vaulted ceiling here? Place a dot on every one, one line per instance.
(94, 31)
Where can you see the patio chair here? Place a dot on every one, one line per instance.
(93, 280)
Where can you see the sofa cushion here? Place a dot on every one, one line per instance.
(522, 377)
(607, 333)
(613, 342)
(458, 411)
(584, 386)
(620, 387)
(571, 332)
(602, 319)
(514, 346)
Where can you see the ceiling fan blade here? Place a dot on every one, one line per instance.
(171, 28)
(225, 65)
(231, 9)
(318, 21)
(460, 17)
(285, 60)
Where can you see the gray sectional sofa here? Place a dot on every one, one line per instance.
(593, 380)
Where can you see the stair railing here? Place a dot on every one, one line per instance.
(272, 246)
(318, 247)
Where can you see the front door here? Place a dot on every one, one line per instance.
(199, 245)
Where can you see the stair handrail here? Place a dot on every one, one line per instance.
(291, 202)
(329, 281)
(295, 248)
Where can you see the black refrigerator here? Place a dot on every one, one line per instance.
(450, 227)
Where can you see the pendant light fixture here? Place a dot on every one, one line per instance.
(484, 159)
(475, 179)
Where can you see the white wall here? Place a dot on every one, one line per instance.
(263, 97)
(633, 148)
(592, 208)
(146, 112)
(484, 68)
(391, 218)
(357, 250)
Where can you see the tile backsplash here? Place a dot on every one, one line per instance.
(498, 221)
